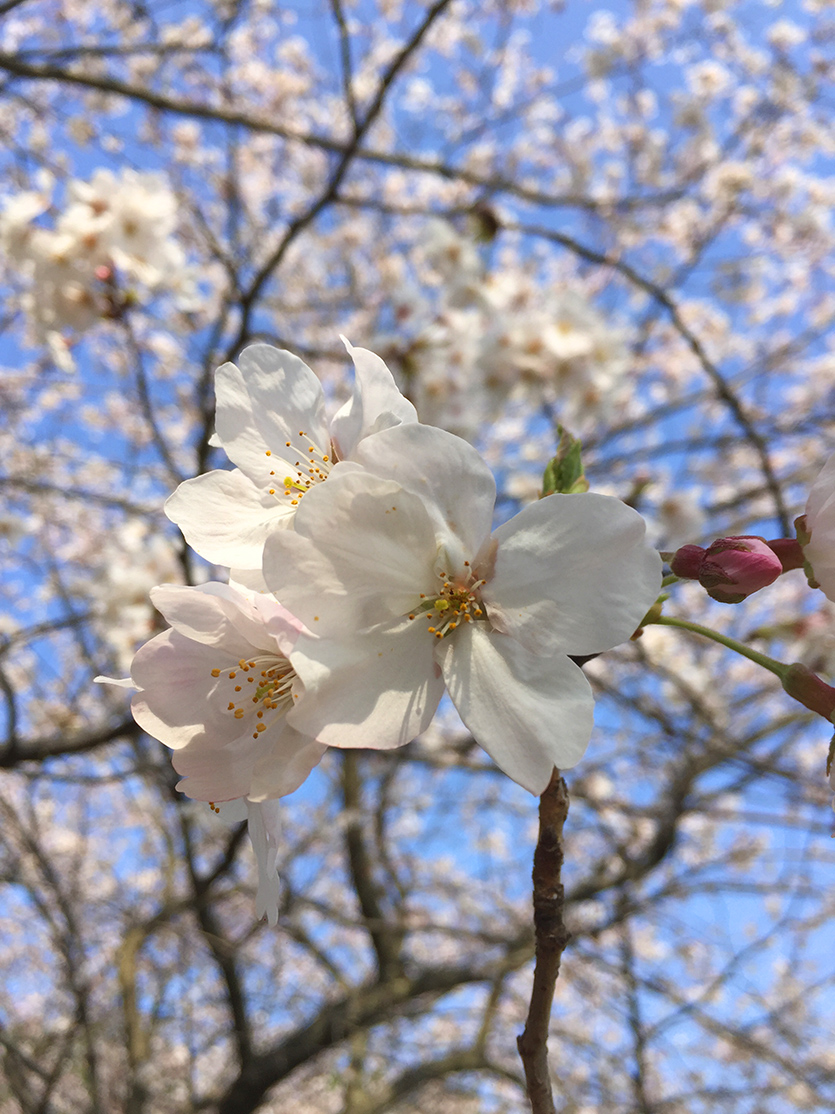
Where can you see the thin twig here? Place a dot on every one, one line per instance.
(551, 939)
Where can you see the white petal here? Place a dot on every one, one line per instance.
(447, 473)
(225, 518)
(117, 682)
(375, 403)
(530, 713)
(379, 690)
(287, 399)
(572, 572)
(265, 831)
(361, 553)
(822, 490)
(236, 429)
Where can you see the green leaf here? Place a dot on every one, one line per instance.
(564, 474)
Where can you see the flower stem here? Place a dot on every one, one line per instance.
(800, 683)
(771, 664)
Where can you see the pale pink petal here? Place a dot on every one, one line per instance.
(447, 473)
(284, 765)
(375, 403)
(210, 774)
(530, 713)
(174, 676)
(214, 614)
(379, 690)
(226, 519)
(273, 765)
(361, 553)
(572, 573)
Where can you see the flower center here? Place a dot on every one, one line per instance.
(458, 601)
(260, 686)
(311, 468)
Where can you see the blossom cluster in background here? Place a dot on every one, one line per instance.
(113, 238)
(481, 339)
(619, 220)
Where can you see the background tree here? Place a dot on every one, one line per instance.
(537, 213)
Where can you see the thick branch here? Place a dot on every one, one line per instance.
(367, 1006)
(551, 939)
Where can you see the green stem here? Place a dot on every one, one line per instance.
(776, 667)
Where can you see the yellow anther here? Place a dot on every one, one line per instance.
(215, 672)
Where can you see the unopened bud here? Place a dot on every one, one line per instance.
(736, 567)
(687, 561)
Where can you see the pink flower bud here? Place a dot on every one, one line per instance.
(687, 561)
(733, 568)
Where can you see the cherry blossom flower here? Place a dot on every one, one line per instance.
(217, 688)
(272, 425)
(395, 570)
(819, 525)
